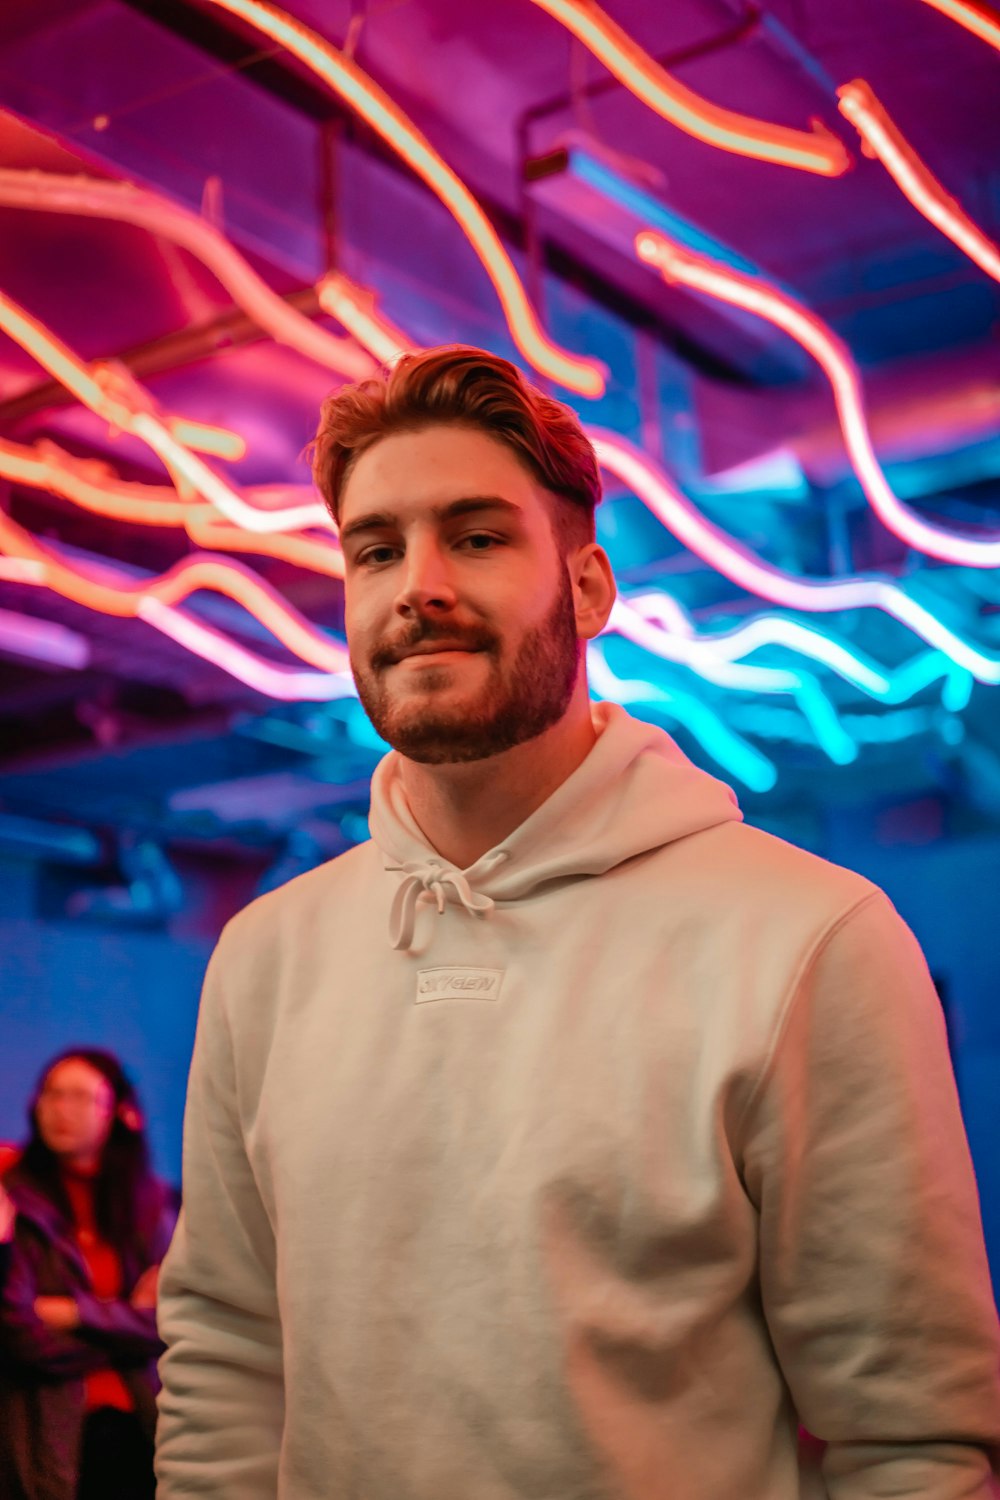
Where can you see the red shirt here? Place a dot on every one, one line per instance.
(103, 1387)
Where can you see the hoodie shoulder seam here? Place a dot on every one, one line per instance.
(806, 965)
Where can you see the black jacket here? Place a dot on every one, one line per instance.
(42, 1370)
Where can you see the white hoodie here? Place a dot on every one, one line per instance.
(638, 1149)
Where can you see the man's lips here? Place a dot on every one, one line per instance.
(431, 648)
(439, 648)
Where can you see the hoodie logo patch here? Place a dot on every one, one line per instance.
(458, 984)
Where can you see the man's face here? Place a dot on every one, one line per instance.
(459, 608)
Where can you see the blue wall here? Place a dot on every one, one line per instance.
(66, 983)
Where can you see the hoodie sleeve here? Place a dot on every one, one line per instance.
(873, 1272)
(222, 1401)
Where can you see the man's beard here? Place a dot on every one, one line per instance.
(513, 706)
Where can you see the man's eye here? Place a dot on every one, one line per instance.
(373, 556)
(480, 541)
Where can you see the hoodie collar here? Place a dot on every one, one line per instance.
(635, 791)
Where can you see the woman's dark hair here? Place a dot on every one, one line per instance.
(125, 1190)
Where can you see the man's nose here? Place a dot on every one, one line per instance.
(426, 582)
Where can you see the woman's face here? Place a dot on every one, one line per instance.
(76, 1111)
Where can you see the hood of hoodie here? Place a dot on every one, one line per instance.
(634, 792)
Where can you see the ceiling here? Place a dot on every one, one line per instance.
(127, 721)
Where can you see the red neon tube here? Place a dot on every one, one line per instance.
(816, 150)
(914, 179)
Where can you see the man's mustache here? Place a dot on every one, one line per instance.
(388, 653)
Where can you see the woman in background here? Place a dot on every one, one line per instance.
(6, 1232)
(78, 1311)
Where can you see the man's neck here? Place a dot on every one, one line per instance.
(464, 810)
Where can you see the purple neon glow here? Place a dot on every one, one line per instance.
(42, 640)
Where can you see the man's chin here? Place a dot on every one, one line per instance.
(437, 738)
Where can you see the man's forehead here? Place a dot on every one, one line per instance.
(434, 482)
(433, 468)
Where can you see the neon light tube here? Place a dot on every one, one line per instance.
(769, 630)
(889, 685)
(915, 180)
(355, 309)
(831, 354)
(735, 562)
(42, 640)
(90, 484)
(288, 684)
(982, 23)
(101, 588)
(95, 487)
(203, 437)
(284, 683)
(312, 553)
(350, 83)
(258, 598)
(732, 752)
(816, 150)
(696, 653)
(112, 394)
(21, 570)
(94, 198)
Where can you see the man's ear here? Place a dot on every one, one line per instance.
(594, 590)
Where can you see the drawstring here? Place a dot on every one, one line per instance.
(445, 885)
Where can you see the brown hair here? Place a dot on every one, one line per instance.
(472, 388)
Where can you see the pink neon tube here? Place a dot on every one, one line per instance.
(288, 684)
(112, 394)
(735, 562)
(859, 105)
(95, 198)
(831, 354)
(351, 84)
(816, 150)
(102, 588)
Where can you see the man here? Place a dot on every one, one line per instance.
(570, 1140)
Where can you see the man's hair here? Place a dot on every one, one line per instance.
(469, 388)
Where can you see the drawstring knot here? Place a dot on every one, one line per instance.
(444, 885)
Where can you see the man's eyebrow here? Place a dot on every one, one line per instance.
(468, 505)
